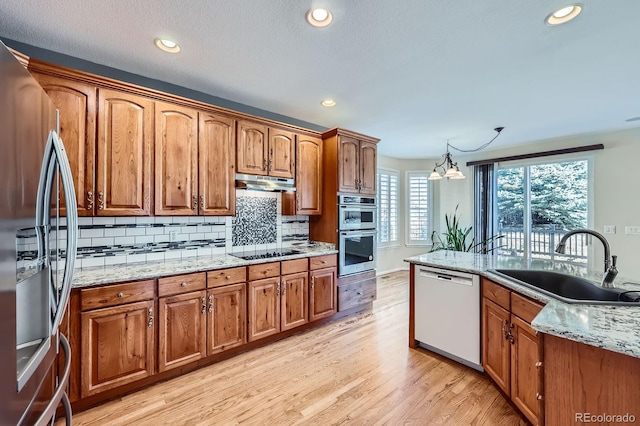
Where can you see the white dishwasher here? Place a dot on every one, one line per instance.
(447, 314)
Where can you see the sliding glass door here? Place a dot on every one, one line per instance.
(536, 204)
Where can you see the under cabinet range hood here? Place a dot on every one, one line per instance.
(264, 183)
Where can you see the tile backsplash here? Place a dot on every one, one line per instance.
(258, 225)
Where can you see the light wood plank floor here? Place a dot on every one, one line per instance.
(356, 370)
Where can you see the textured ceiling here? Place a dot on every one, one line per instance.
(413, 73)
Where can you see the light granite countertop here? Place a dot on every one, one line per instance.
(87, 277)
(616, 328)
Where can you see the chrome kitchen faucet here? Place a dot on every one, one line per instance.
(610, 270)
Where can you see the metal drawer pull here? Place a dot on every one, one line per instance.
(194, 202)
(121, 294)
(539, 397)
(100, 200)
(228, 277)
(204, 305)
(150, 322)
(183, 284)
(359, 293)
(210, 303)
(89, 200)
(538, 364)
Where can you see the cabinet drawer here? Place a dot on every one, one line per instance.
(116, 294)
(524, 308)
(181, 284)
(326, 261)
(294, 266)
(264, 270)
(226, 276)
(496, 293)
(356, 294)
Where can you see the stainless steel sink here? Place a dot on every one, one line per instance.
(569, 289)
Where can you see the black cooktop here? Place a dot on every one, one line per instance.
(264, 254)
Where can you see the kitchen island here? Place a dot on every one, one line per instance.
(559, 361)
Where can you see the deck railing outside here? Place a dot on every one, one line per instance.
(543, 242)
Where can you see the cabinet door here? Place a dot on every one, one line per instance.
(294, 303)
(495, 347)
(217, 165)
(524, 374)
(264, 308)
(309, 176)
(348, 165)
(77, 104)
(368, 165)
(227, 320)
(322, 296)
(252, 148)
(125, 144)
(282, 147)
(183, 334)
(118, 345)
(176, 160)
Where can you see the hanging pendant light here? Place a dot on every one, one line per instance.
(449, 168)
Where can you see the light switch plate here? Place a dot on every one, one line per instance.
(632, 230)
(609, 229)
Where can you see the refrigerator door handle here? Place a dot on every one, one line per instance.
(72, 227)
(60, 394)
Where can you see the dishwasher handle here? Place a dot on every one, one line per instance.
(440, 276)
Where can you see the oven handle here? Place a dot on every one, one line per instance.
(367, 207)
(359, 233)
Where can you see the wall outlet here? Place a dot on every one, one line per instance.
(173, 236)
(609, 229)
(632, 230)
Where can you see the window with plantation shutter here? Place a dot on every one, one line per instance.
(387, 207)
(418, 208)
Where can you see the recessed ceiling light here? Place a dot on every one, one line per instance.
(328, 103)
(319, 17)
(564, 14)
(167, 45)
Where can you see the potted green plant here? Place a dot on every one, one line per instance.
(456, 237)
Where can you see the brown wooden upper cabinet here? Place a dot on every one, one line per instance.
(194, 159)
(307, 200)
(265, 151)
(77, 104)
(356, 166)
(124, 159)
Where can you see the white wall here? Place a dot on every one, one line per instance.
(616, 192)
(391, 258)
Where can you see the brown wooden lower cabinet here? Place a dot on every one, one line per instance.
(227, 318)
(264, 308)
(293, 301)
(118, 346)
(182, 335)
(322, 296)
(583, 382)
(511, 349)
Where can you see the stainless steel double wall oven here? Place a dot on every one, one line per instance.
(357, 229)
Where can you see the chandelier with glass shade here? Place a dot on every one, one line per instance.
(448, 168)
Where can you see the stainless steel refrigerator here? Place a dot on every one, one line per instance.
(38, 229)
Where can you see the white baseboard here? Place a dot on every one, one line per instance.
(388, 271)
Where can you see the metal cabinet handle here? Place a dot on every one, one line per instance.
(323, 261)
(228, 277)
(89, 200)
(202, 202)
(204, 305)
(264, 166)
(359, 293)
(313, 282)
(210, 303)
(284, 288)
(297, 201)
(100, 200)
(150, 322)
(278, 291)
(505, 333)
(121, 295)
(539, 397)
(183, 284)
(194, 202)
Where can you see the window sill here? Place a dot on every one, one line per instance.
(388, 247)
